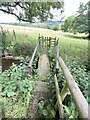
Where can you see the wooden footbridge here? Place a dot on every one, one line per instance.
(78, 98)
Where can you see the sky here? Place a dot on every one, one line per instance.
(71, 6)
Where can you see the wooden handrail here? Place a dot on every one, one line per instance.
(57, 55)
(60, 105)
(63, 94)
(79, 99)
(32, 58)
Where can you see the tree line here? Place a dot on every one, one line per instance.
(79, 23)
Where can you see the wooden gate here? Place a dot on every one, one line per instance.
(47, 42)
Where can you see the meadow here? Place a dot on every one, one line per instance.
(73, 50)
(71, 46)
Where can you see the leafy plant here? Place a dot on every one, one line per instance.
(46, 110)
(5, 40)
(23, 48)
(17, 86)
(70, 112)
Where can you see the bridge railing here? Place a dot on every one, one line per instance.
(47, 42)
(79, 100)
(32, 58)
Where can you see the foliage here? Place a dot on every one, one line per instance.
(24, 48)
(68, 24)
(17, 86)
(71, 112)
(56, 28)
(79, 23)
(5, 40)
(46, 110)
(71, 50)
(81, 77)
(31, 10)
(18, 46)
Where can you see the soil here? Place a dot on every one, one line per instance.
(7, 62)
(41, 91)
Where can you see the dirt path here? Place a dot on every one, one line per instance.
(43, 66)
(40, 91)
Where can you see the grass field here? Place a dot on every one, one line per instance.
(71, 46)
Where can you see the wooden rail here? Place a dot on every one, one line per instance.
(79, 100)
(32, 58)
(60, 105)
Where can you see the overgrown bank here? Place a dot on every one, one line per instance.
(17, 84)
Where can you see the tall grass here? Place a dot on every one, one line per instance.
(73, 47)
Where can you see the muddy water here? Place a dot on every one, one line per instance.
(7, 62)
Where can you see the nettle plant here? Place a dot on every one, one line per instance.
(81, 77)
(17, 85)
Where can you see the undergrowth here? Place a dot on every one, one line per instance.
(81, 77)
(16, 90)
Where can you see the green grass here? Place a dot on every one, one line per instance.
(73, 47)
(70, 48)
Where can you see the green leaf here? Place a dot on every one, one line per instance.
(21, 88)
(74, 113)
(52, 113)
(71, 116)
(41, 105)
(68, 111)
(10, 94)
(44, 111)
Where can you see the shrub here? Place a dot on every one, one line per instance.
(56, 28)
(24, 49)
(5, 40)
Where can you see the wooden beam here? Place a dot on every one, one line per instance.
(60, 106)
(79, 99)
(63, 94)
(32, 58)
(57, 55)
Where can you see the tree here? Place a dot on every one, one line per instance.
(29, 11)
(68, 24)
(79, 23)
(82, 22)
